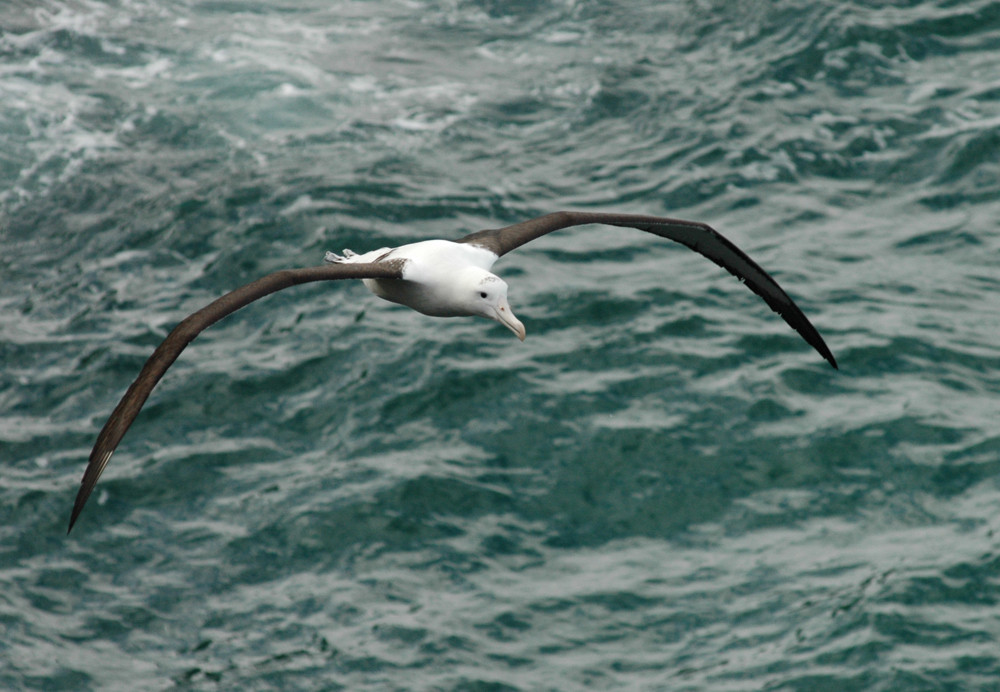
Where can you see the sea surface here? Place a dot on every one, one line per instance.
(662, 488)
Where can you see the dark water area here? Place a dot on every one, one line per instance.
(662, 488)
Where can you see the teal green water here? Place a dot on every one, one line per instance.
(663, 488)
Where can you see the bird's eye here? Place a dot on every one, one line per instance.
(482, 294)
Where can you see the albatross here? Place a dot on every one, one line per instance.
(441, 278)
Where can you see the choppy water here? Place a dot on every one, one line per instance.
(662, 488)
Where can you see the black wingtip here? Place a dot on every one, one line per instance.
(87, 484)
(821, 348)
(81, 500)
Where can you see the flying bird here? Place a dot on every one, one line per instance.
(441, 278)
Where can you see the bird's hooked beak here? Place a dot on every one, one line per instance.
(505, 316)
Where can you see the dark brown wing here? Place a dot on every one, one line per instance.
(699, 237)
(167, 352)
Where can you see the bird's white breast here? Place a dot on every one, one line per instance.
(433, 276)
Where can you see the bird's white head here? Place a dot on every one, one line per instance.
(486, 296)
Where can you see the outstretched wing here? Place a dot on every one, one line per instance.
(700, 237)
(167, 352)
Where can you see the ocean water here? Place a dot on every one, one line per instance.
(662, 488)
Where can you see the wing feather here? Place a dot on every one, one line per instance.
(700, 237)
(168, 351)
